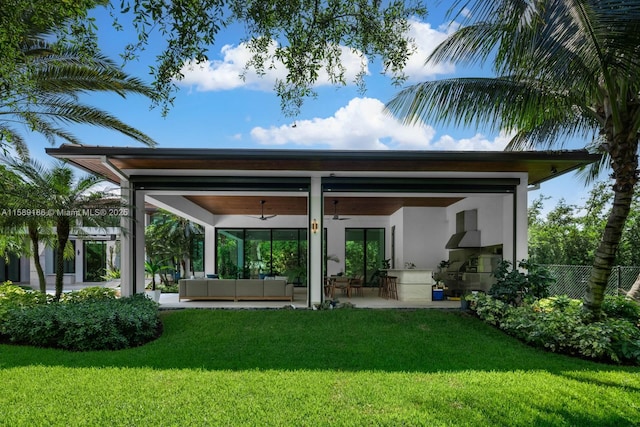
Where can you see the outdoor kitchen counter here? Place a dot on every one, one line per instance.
(413, 284)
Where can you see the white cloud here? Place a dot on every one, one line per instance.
(225, 74)
(426, 40)
(363, 125)
(478, 142)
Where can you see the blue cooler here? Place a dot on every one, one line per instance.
(438, 294)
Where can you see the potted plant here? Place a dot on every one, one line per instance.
(440, 274)
(465, 298)
(152, 268)
(298, 274)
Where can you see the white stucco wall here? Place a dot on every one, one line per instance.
(491, 219)
(397, 220)
(424, 236)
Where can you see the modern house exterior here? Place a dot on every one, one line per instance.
(342, 211)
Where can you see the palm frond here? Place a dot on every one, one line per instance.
(491, 103)
(59, 74)
(12, 138)
(58, 109)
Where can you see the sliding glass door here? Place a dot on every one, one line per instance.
(364, 251)
(257, 253)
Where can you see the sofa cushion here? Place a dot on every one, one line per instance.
(221, 288)
(275, 288)
(195, 287)
(249, 287)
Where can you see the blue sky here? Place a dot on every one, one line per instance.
(215, 108)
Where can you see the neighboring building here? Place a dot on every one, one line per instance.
(94, 251)
(285, 211)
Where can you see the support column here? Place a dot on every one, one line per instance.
(316, 279)
(209, 250)
(132, 241)
(78, 251)
(522, 239)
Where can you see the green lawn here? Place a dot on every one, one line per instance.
(299, 367)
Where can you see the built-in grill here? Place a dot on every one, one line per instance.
(473, 273)
(454, 273)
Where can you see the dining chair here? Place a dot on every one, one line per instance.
(343, 283)
(356, 284)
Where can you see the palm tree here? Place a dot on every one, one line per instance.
(565, 69)
(38, 228)
(61, 200)
(47, 98)
(180, 232)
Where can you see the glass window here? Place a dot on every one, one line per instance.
(10, 269)
(197, 253)
(258, 253)
(69, 264)
(257, 261)
(95, 260)
(230, 253)
(364, 251)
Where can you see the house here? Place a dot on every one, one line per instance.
(412, 208)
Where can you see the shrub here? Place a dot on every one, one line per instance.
(15, 297)
(93, 293)
(489, 309)
(559, 325)
(514, 287)
(621, 307)
(90, 324)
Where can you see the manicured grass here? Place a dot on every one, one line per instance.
(294, 367)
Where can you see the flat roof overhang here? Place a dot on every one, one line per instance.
(112, 161)
(194, 172)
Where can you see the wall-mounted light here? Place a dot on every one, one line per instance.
(314, 226)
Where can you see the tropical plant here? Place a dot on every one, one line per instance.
(152, 267)
(21, 228)
(515, 286)
(565, 69)
(56, 197)
(46, 100)
(171, 238)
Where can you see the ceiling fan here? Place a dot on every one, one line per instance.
(262, 216)
(335, 216)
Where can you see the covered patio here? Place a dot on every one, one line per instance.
(402, 207)
(369, 299)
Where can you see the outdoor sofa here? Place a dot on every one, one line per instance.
(235, 289)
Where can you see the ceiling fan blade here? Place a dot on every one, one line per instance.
(262, 216)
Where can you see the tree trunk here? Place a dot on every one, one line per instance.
(634, 292)
(622, 150)
(62, 229)
(35, 242)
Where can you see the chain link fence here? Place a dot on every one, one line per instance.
(571, 280)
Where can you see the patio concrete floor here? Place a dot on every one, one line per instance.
(369, 299)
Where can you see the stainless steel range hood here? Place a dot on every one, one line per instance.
(467, 233)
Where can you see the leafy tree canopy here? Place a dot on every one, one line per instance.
(568, 234)
(304, 35)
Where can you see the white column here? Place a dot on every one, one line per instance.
(316, 279)
(209, 250)
(78, 251)
(522, 222)
(132, 241)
